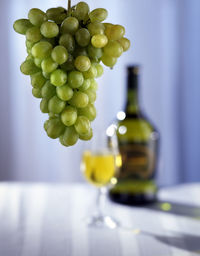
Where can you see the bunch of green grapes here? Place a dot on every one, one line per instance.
(65, 49)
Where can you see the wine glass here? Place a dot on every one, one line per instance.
(100, 166)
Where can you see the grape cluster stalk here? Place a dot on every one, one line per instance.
(65, 49)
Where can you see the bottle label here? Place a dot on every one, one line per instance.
(138, 161)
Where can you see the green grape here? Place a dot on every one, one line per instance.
(94, 53)
(93, 84)
(99, 69)
(62, 142)
(91, 95)
(81, 11)
(79, 51)
(49, 29)
(57, 14)
(37, 62)
(52, 41)
(125, 43)
(85, 85)
(94, 62)
(64, 92)
(82, 63)
(68, 42)
(59, 54)
(29, 45)
(99, 41)
(37, 93)
(44, 106)
(28, 67)
(96, 28)
(59, 19)
(56, 105)
(46, 75)
(87, 136)
(82, 37)
(61, 9)
(28, 51)
(54, 128)
(75, 79)
(30, 57)
(21, 26)
(116, 32)
(108, 61)
(82, 125)
(70, 25)
(58, 77)
(37, 17)
(48, 90)
(69, 116)
(33, 34)
(113, 49)
(48, 65)
(98, 15)
(46, 124)
(70, 137)
(89, 112)
(37, 80)
(42, 50)
(79, 100)
(69, 64)
(53, 12)
(91, 73)
(108, 27)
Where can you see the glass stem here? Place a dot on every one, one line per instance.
(100, 201)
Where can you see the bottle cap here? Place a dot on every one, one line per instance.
(134, 70)
(133, 75)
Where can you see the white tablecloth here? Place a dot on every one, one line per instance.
(48, 220)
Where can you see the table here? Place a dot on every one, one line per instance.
(47, 220)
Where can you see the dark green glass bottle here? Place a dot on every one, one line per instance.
(138, 145)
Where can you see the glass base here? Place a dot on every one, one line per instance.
(101, 221)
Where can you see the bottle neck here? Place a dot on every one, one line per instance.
(132, 104)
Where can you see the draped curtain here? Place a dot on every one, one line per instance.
(165, 42)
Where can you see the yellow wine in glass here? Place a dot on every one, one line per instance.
(99, 168)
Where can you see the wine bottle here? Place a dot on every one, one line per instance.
(138, 142)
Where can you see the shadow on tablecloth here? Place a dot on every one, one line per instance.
(183, 241)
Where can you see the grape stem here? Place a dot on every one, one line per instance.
(69, 5)
(69, 8)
